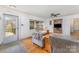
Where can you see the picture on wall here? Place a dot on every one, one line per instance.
(50, 22)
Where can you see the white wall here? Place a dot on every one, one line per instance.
(25, 31)
(66, 26)
(23, 19)
(48, 26)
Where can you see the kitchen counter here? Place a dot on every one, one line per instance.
(67, 38)
(63, 44)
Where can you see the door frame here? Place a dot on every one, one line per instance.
(17, 25)
(74, 20)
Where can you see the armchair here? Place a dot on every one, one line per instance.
(38, 39)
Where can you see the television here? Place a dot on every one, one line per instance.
(57, 25)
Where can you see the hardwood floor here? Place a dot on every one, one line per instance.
(75, 33)
(32, 48)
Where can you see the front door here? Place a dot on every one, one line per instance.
(11, 31)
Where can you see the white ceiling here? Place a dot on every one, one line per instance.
(45, 10)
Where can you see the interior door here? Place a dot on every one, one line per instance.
(10, 28)
(75, 27)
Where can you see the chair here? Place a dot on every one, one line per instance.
(38, 39)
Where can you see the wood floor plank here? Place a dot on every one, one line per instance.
(32, 48)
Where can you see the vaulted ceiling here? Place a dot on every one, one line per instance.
(44, 11)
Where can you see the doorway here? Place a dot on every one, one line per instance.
(75, 27)
(11, 28)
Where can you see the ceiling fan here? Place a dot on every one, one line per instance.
(54, 15)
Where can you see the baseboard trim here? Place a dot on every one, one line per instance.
(26, 37)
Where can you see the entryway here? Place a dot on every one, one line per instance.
(11, 28)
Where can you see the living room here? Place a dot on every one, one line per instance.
(49, 21)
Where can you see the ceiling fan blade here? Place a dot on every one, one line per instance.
(58, 14)
(52, 14)
(55, 15)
